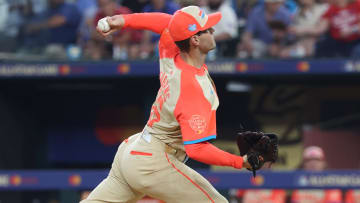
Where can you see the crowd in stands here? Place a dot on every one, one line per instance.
(314, 160)
(65, 29)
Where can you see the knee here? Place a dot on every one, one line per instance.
(220, 199)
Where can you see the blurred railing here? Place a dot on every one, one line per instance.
(77, 69)
(87, 179)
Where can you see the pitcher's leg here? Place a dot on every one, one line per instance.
(147, 168)
(183, 184)
(111, 190)
(165, 178)
(114, 188)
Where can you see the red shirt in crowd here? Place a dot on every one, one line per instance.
(344, 20)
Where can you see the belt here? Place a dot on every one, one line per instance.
(173, 151)
(170, 150)
(147, 137)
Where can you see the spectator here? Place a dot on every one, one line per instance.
(268, 196)
(283, 44)
(38, 6)
(352, 196)
(164, 6)
(226, 29)
(61, 21)
(86, 6)
(257, 32)
(342, 20)
(88, 10)
(14, 15)
(314, 160)
(308, 16)
(136, 6)
(243, 7)
(200, 3)
(150, 39)
(290, 5)
(4, 13)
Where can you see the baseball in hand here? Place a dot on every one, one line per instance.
(103, 25)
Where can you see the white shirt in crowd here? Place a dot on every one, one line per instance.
(4, 11)
(310, 17)
(228, 23)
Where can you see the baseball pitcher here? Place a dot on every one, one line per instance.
(182, 119)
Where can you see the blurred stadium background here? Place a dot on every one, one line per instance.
(69, 97)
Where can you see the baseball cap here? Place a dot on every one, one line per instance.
(313, 152)
(190, 20)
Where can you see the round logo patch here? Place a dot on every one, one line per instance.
(197, 123)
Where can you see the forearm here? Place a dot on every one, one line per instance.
(36, 27)
(247, 41)
(155, 22)
(52, 22)
(209, 154)
(222, 37)
(56, 21)
(319, 29)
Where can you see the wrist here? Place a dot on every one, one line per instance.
(238, 162)
(246, 163)
(245, 158)
(122, 20)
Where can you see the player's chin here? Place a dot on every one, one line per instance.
(212, 47)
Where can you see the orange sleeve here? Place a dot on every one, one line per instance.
(209, 154)
(155, 22)
(193, 112)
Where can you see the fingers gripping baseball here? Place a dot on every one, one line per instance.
(103, 25)
(108, 25)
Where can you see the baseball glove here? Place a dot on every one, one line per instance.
(259, 147)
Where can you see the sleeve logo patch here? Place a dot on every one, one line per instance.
(197, 123)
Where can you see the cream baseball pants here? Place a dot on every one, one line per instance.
(150, 167)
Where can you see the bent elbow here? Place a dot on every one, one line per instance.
(190, 151)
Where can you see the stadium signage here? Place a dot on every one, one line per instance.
(227, 67)
(29, 70)
(330, 180)
(4, 180)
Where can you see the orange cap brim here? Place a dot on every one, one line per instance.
(213, 19)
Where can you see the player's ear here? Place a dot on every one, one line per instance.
(195, 40)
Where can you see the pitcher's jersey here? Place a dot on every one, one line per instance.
(184, 111)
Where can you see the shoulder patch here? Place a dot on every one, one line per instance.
(197, 123)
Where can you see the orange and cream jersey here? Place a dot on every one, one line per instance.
(184, 111)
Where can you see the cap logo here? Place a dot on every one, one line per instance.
(192, 27)
(202, 13)
(198, 14)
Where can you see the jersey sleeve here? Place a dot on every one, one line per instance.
(145, 21)
(193, 112)
(209, 154)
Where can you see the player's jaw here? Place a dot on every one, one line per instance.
(207, 41)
